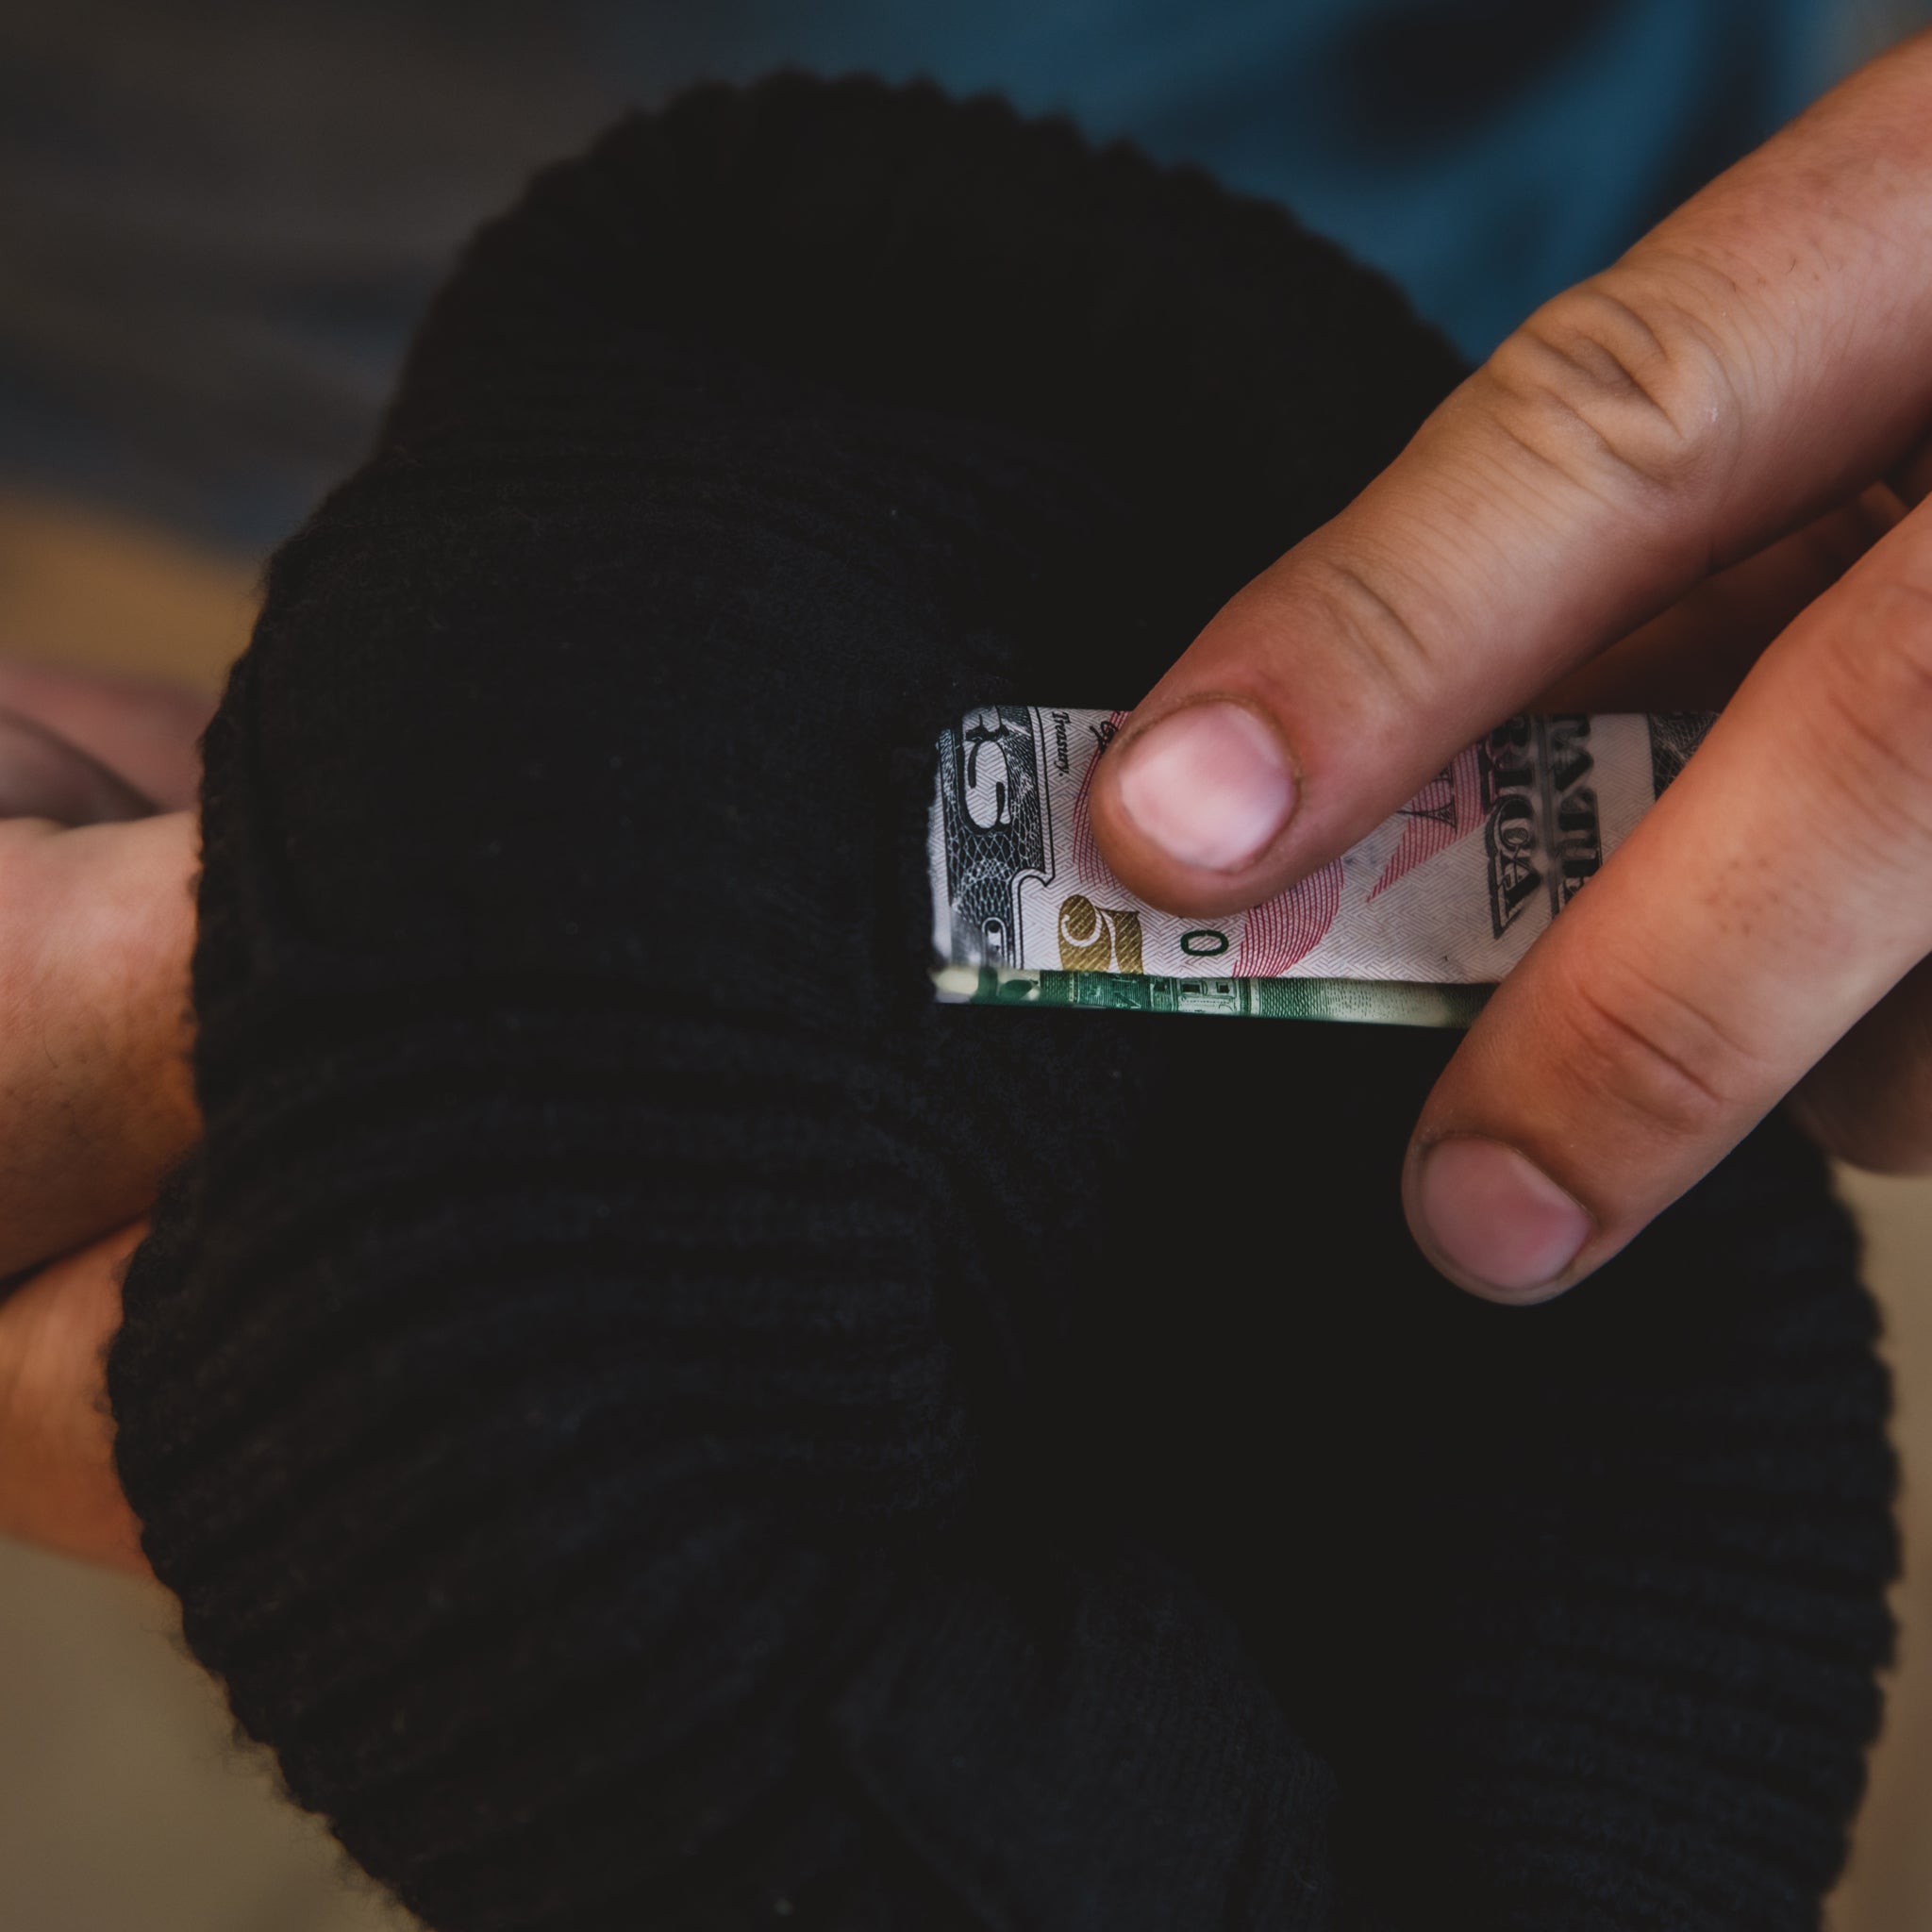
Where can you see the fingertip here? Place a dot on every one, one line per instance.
(1190, 807)
(1490, 1221)
(145, 731)
(43, 776)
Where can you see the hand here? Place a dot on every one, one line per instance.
(57, 1486)
(1740, 386)
(95, 1089)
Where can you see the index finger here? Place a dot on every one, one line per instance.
(1756, 360)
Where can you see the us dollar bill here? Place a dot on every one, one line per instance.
(1413, 926)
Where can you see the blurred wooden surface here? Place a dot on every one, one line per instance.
(125, 1805)
(81, 587)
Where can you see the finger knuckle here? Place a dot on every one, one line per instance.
(1608, 383)
(1656, 1057)
(1383, 623)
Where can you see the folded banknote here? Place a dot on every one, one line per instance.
(1410, 927)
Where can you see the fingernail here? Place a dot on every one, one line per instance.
(1496, 1218)
(1208, 785)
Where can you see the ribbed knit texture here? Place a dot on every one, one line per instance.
(659, 1425)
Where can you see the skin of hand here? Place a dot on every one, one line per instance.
(94, 1070)
(1703, 468)
(57, 1486)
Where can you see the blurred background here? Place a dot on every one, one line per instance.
(218, 222)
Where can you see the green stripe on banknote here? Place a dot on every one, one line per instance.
(1375, 1002)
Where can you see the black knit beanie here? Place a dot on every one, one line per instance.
(659, 1425)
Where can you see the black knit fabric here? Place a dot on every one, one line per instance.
(661, 1425)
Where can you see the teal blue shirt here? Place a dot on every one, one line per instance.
(213, 266)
